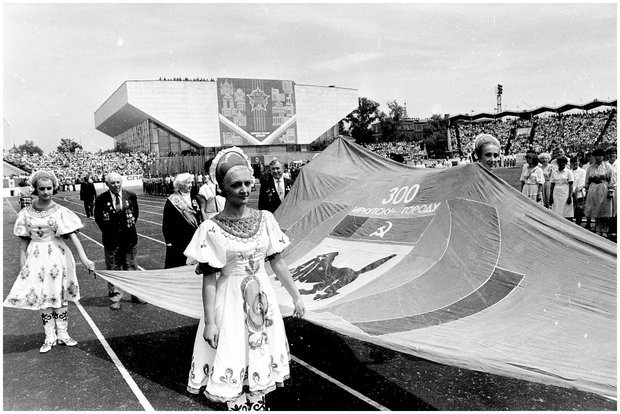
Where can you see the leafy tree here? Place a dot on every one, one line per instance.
(30, 148)
(389, 128)
(68, 145)
(397, 112)
(391, 124)
(342, 129)
(361, 119)
(436, 136)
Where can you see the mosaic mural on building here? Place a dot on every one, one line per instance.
(256, 111)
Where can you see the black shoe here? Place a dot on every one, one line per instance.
(137, 300)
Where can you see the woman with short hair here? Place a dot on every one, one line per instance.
(560, 199)
(532, 177)
(547, 168)
(600, 188)
(182, 217)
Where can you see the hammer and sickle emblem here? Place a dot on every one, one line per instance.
(381, 231)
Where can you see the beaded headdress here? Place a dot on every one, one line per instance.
(225, 160)
(483, 139)
(42, 174)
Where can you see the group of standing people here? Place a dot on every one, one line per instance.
(241, 350)
(574, 192)
(185, 210)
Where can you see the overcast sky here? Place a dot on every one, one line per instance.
(61, 61)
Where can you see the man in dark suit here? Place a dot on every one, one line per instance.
(273, 189)
(88, 193)
(116, 213)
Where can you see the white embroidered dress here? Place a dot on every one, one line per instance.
(48, 278)
(252, 353)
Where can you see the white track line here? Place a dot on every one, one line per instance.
(82, 214)
(119, 365)
(100, 245)
(340, 384)
(141, 210)
(9, 203)
(155, 240)
(138, 393)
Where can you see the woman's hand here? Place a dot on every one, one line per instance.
(211, 334)
(300, 307)
(90, 265)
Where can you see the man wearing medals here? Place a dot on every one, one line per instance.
(116, 214)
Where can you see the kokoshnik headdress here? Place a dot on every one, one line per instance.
(225, 160)
(42, 174)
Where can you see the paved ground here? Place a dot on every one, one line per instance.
(153, 348)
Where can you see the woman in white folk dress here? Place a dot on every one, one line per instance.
(47, 280)
(241, 351)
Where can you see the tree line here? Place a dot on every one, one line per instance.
(434, 135)
(66, 145)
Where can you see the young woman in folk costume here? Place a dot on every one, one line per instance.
(241, 352)
(47, 280)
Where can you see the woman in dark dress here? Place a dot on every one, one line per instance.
(182, 217)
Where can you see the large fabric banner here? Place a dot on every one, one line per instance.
(452, 265)
(256, 111)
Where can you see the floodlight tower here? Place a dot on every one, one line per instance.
(498, 92)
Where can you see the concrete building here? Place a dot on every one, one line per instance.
(200, 117)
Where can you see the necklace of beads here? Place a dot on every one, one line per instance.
(243, 229)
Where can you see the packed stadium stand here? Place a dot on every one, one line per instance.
(571, 127)
(81, 163)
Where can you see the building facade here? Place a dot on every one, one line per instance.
(407, 129)
(200, 117)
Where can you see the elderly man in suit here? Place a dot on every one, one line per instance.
(116, 213)
(274, 188)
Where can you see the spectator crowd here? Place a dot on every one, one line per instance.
(576, 132)
(74, 166)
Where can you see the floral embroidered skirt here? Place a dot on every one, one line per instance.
(252, 355)
(48, 278)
